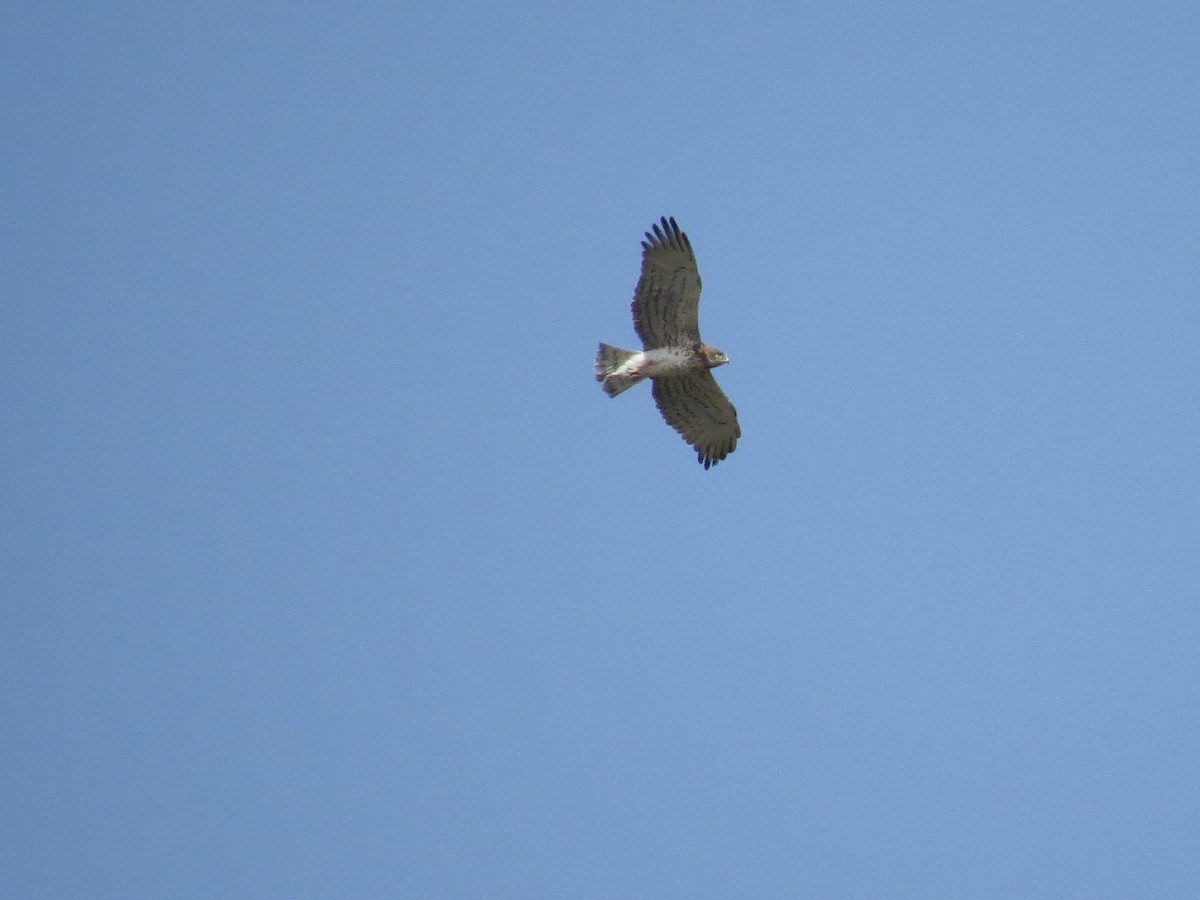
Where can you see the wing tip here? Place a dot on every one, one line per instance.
(666, 233)
(709, 458)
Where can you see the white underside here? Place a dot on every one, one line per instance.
(660, 362)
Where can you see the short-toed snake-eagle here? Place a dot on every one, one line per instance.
(666, 317)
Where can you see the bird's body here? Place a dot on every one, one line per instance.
(666, 318)
(661, 362)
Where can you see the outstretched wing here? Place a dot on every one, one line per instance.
(666, 304)
(696, 407)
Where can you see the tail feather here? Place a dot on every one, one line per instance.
(609, 360)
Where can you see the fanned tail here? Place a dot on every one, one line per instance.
(609, 361)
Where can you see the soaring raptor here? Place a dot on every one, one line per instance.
(666, 317)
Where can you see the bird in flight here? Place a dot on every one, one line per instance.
(666, 316)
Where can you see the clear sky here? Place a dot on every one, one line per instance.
(329, 571)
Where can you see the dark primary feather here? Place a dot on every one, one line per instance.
(666, 302)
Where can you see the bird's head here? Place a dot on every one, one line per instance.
(712, 356)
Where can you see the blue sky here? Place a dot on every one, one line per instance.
(330, 571)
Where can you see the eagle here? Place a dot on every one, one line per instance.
(666, 317)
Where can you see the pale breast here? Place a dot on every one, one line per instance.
(665, 361)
